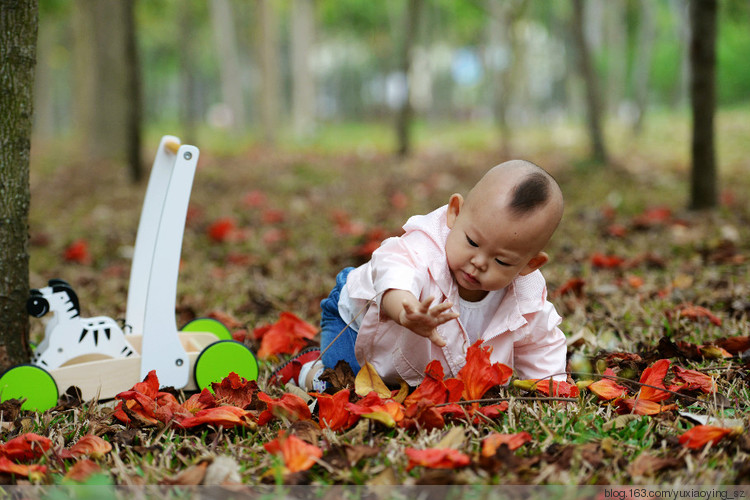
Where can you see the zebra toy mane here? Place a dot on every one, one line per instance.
(59, 285)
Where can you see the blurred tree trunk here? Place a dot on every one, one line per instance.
(703, 20)
(189, 111)
(593, 100)
(44, 100)
(270, 106)
(303, 80)
(225, 38)
(616, 33)
(507, 56)
(680, 10)
(642, 68)
(18, 32)
(107, 95)
(404, 114)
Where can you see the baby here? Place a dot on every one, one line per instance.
(464, 272)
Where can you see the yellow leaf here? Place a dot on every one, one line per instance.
(403, 391)
(383, 417)
(368, 380)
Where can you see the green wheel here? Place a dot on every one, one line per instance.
(221, 358)
(209, 325)
(29, 382)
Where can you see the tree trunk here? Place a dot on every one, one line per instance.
(229, 61)
(617, 53)
(134, 112)
(303, 84)
(593, 100)
(189, 110)
(270, 72)
(405, 112)
(18, 31)
(642, 69)
(703, 19)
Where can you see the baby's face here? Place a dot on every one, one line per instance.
(487, 248)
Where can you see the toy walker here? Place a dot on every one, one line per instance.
(95, 354)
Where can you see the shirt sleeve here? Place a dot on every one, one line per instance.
(539, 349)
(395, 266)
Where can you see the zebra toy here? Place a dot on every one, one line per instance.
(69, 336)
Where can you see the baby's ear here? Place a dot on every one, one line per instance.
(535, 263)
(454, 207)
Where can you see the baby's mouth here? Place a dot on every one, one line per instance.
(470, 278)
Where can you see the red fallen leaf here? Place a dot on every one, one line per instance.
(694, 313)
(641, 406)
(273, 235)
(479, 374)
(491, 443)
(82, 470)
(78, 252)
(220, 416)
(90, 445)
(734, 345)
(606, 261)
(573, 286)
(701, 435)
(254, 199)
(222, 229)
(28, 446)
(607, 389)
(455, 410)
(434, 389)
(655, 216)
(225, 319)
(289, 406)
(693, 379)
(634, 281)
(272, 216)
(654, 376)
(373, 239)
(296, 453)
(436, 458)
(548, 387)
(332, 411)
(399, 200)
(200, 401)
(491, 411)
(287, 336)
(372, 406)
(33, 472)
(422, 415)
(234, 390)
(617, 230)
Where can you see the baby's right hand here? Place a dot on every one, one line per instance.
(423, 320)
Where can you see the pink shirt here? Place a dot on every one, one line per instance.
(523, 331)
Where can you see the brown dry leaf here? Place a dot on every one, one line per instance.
(222, 470)
(192, 476)
(368, 380)
(340, 377)
(82, 470)
(455, 438)
(385, 478)
(345, 456)
(306, 430)
(648, 465)
(403, 391)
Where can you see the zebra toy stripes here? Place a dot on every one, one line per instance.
(69, 336)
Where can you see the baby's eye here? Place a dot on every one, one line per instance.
(471, 242)
(502, 263)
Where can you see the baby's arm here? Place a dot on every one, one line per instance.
(405, 309)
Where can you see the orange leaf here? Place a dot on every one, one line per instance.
(479, 374)
(82, 470)
(287, 336)
(694, 380)
(220, 416)
(90, 445)
(234, 390)
(434, 389)
(701, 435)
(288, 406)
(606, 261)
(641, 406)
(693, 312)
(436, 458)
(297, 454)
(422, 415)
(374, 407)
(222, 229)
(573, 286)
(332, 411)
(654, 376)
(606, 388)
(491, 411)
(491, 443)
(548, 387)
(34, 471)
(78, 252)
(200, 401)
(28, 446)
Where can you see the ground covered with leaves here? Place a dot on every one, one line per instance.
(654, 299)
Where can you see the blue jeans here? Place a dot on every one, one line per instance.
(332, 325)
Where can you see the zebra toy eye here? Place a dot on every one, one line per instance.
(37, 306)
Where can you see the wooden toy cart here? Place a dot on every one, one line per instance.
(94, 354)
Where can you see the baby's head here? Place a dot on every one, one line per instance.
(500, 229)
